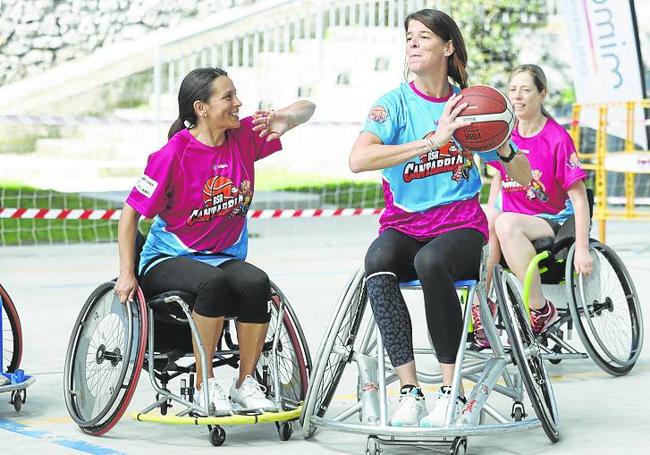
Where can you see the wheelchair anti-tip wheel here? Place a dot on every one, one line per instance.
(104, 359)
(526, 352)
(606, 310)
(12, 340)
(338, 346)
(293, 360)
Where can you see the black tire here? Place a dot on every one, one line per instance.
(217, 436)
(606, 310)
(294, 361)
(109, 340)
(12, 335)
(334, 352)
(526, 352)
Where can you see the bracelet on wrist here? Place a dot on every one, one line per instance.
(507, 159)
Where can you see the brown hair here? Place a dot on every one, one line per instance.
(444, 26)
(197, 85)
(539, 79)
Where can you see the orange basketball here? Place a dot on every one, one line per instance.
(217, 185)
(492, 117)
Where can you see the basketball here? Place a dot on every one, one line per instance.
(492, 117)
(216, 186)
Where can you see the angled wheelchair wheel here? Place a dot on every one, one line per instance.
(12, 338)
(335, 351)
(293, 359)
(606, 310)
(104, 359)
(526, 352)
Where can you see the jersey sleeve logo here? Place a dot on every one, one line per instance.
(146, 185)
(573, 162)
(378, 114)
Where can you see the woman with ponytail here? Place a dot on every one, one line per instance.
(433, 228)
(198, 188)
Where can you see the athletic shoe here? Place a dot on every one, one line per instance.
(411, 407)
(436, 418)
(251, 395)
(480, 340)
(543, 318)
(217, 397)
(4, 380)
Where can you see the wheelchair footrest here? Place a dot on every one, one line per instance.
(236, 419)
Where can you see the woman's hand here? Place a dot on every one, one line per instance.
(582, 261)
(125, 287)
(448, 122)
(271, 124)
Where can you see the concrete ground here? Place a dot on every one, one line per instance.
(310, 260)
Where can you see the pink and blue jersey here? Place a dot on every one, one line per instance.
(555, 167)
(199, 195)
(435, 192)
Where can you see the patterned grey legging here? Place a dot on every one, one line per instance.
(437, 263)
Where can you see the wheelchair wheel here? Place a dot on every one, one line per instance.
(606, 310)
(526, 352)
(12, 338)
(104, 358)
(294, 361)
(334, 352)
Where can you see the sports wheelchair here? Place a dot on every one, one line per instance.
(12, 379)
(603, 307)
(112, 342)
(517, 373)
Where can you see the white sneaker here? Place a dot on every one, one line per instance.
(436, 418)
(4, 380)
(411, 409)
(216, 396)
(251, 395)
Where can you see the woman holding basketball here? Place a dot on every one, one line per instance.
(538, 209)
(433, 228)
(199, 187)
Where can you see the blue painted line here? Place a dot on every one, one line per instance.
(81, 446)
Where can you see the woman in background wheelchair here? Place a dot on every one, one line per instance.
(537, 210)
(198, 188)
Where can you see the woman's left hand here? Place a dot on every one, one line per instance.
(271, 124)
(583, 262)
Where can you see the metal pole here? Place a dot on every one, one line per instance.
(629, 148)
(601, 175)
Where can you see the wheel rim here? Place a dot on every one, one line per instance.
(102, 354)
(291, 372)
(11, 334)
(609, 306)
(528, 353)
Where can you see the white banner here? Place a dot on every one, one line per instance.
(605, 61)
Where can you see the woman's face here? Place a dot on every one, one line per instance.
(424, 49)
(524, 96)
(222, 108)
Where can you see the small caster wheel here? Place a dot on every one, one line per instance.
(217, 436)
(372, 447)
(284, 430)
(459, 446)
(18, 398)
(557, 349)
(518, 411)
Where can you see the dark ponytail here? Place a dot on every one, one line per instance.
(197, 85)
(444, 26)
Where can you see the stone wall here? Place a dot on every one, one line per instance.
(38, 34)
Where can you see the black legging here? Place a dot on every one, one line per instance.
(233, 288)
(395, 257)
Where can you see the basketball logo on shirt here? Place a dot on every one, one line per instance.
(378, 114)
(448, 158)
(220, 198)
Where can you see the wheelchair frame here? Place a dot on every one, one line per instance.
(575, 311)
(194, 414)
(485, 371)
(18, 381)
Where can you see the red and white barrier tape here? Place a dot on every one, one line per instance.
(114, 214)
